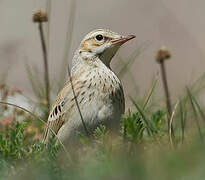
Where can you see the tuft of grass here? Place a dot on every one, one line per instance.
(141, 149)
(196, 118)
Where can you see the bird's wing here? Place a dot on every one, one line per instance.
(55, 120)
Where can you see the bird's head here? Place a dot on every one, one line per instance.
(102, 43)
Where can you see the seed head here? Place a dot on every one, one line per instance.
(2, 86)
(40, 16)
(162, 55)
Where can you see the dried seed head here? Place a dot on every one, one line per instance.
(2, 86)
(40, 16)
(162, 54)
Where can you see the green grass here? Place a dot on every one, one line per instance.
(141, 150)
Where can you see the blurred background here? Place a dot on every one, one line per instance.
(178, 25)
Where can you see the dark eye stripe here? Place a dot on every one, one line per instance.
(107, 38)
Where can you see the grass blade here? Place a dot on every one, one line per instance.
(150, 93)
(149, 126)
(195, 113)
(68, 42)
(182, 120)
(130, 60)
(199, 108)
(170, 125)
(36, 84)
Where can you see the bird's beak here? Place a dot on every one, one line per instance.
(122, 40)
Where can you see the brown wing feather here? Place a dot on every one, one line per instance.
(55, 126)
(55, 119)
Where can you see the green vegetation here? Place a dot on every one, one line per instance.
(141, 150)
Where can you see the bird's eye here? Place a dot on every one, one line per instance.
(99, 37)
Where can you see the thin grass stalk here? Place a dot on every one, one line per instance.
(132, 79)
(68, 42)
(45, 58)
(77, 104)
(199, 108)
(166, 90)
(130, 60)
(34, 83)
(37, 117)
(171, 120)
(195, 87)
(182, 119)
(195, 114)
(198, 85)
(162, 55)
(150, 93)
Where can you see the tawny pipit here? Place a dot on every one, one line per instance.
(98, 90)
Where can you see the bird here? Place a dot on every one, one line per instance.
(93, 94)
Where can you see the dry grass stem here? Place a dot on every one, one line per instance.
(40, 17)
(170, 125)
(162, 55)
